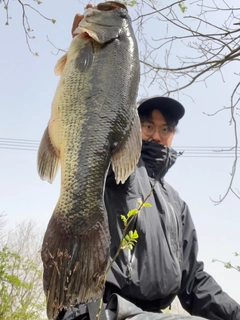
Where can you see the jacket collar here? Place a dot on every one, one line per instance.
(157, 158)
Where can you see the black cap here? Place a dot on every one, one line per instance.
(165, 105)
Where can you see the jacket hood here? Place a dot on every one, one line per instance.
(157, 158)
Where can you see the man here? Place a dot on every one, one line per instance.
(163, 264)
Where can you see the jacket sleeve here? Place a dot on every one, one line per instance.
(200, 294)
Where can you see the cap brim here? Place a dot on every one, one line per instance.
(165, 105)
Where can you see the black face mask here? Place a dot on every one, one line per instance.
(157, 158)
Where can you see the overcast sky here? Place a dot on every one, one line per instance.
(27, 87)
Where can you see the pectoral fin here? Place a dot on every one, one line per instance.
(60, 65)
(125, 157)
(48, 159)
(85, 57)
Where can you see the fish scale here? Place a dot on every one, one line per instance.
(93, 124)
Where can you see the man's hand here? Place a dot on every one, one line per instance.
(78, 18)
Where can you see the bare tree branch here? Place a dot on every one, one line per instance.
(25, 20)
(208, 48)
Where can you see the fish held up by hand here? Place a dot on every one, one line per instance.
(93, 124)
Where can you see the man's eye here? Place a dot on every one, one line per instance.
(148, 126)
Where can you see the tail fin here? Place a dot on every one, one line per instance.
(74, 266)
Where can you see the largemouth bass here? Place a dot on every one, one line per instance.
(93, 124)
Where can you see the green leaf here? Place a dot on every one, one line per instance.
(139, 203)
(130, 234)
(182, 7)
(124, 242)
(132, 212)
(130, 3)
(135, 234)
(130, 240)
(228, 265)
(146, 204)
(124, 219)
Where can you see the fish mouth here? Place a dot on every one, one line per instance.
(86, 33)
(84, 28)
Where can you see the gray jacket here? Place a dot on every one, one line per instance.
(163, 263)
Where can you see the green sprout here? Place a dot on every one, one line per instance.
(182, 7)
(130, 3)
(130, 240)
(229, 265)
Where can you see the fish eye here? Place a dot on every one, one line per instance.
(123, 14)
